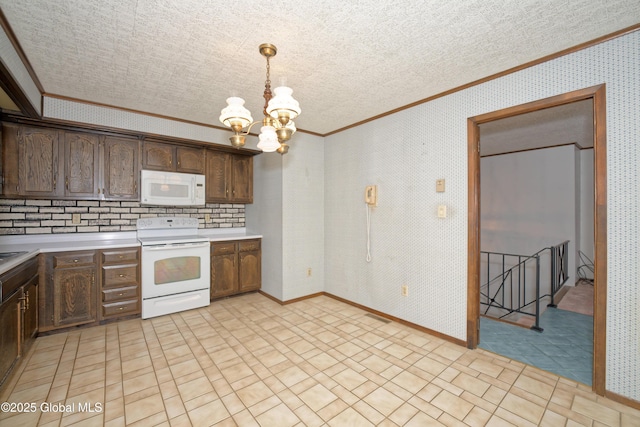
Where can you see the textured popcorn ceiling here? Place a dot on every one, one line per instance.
(347, 61)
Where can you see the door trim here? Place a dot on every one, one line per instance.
(598, 95)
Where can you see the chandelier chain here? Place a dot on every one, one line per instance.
(267, 89)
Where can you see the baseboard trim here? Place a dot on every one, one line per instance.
(622, 399)
(372, 311)
(398, 320)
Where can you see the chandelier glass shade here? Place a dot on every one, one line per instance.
(268, 140)
(279, 110)
(235, 115)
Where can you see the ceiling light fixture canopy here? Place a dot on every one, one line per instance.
(280, 108)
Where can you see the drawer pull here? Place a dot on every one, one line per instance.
(121, 256)
(120, 294)
(121, 275)
(75, 260)
(121, 308)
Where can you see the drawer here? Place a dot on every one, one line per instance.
(120, 308)
(73, 259)
(118, 294)
(223, 248)
(119, 275)
(120, 256)
(249, 245)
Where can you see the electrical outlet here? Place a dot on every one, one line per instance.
(309, 272)
(405, 290)
(75, 218)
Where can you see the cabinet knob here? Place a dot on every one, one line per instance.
(121, 275)
(75, 260)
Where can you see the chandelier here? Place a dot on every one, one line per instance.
(279, 111)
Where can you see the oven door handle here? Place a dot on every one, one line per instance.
(176, 246)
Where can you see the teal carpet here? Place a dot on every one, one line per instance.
(565, 347)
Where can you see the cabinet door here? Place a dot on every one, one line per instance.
(81, 158)
(10, 314)
(190, 160)
(242, 188)
(38, 162)
(74, 296)
(218, 176)
(250, 268)
(121, 169)
(224, 270)
(30, 317)
(10, 163)
(158, 156)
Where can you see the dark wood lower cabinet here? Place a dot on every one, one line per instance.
(30, 313)
(87, 287)
(18, 314)
(120, 282)
(69, 295)
(10, 333)
(250, 267)
(235, 267)
(224, 269)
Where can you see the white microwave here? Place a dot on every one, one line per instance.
(171, 189)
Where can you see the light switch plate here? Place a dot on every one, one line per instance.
(442, 211)
(439, 185)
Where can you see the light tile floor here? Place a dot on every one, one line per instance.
(249, 361)
(565, 346)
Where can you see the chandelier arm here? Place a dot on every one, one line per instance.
(249, 128)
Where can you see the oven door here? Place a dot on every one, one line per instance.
(175, 268)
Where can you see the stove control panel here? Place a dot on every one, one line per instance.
(163, 223)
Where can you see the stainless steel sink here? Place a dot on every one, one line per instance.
(6, 256)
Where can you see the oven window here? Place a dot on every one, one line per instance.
(178, 269)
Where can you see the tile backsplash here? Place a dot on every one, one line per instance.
(56, 216)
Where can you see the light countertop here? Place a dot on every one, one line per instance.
(35, 244)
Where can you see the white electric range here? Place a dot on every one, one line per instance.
(175, 265)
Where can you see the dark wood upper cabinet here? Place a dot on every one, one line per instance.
(218, 176)
(158, 156)
(31, 161)
(172, 158)
(82, 164)
(121, 169)
(242, 179)
(59, 164)
(229, 178)
(190, 160)
(55, 162)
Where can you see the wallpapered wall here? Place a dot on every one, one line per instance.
(406, 152)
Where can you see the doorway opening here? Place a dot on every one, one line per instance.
(596, 96)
